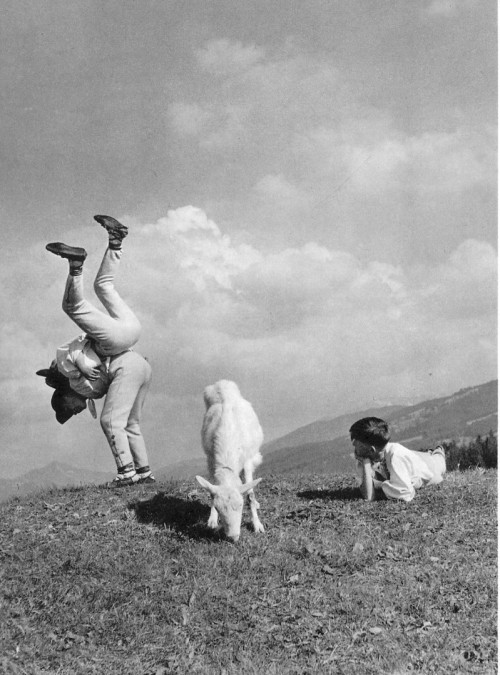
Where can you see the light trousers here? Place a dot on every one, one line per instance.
(112, 332)
(437, 464)
(130, 377)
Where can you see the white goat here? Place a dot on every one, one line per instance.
(231, 437)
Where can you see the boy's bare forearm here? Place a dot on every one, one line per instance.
(367, 487)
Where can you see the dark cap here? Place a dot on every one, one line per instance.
(53, 378)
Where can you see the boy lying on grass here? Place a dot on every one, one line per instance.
(389, 469)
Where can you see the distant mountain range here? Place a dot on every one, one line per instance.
(325, 446)
(55, 474)
(321, 447)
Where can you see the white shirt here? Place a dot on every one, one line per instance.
(406, 471)
(78, 352)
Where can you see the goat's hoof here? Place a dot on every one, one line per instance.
(212, 524)
(258, 527)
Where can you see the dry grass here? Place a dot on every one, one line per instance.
(113, 582)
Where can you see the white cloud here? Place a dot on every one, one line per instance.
(282, 193)
(389, 160)
(465, 285)
(301, 114)
(448, 7)
(223, 57)
(477, 257)
(452, 162)
(195, 248)
(306, 331)
(239, 308)
(253, 98)
(188, 119)
(228, 128)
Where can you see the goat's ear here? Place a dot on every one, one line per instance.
(208, 486)
(248, 486)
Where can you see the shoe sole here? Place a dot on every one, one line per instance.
(126, 482)
(121, 484)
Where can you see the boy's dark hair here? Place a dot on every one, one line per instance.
(371, 430)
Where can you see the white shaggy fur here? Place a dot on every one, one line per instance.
(231, 437)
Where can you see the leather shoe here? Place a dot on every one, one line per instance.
(68, 252)
(114, 228)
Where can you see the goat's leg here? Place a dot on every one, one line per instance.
(214, 518)
(254, 504)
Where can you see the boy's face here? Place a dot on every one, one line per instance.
(75, 405)
(364, 450)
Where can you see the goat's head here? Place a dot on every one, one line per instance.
(228, 501)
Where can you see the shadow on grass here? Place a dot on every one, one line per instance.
(343, 494)
(188, 516)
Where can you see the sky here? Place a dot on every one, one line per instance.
(311, 195)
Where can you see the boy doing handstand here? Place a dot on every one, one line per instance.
(388, 468)
(101, 362)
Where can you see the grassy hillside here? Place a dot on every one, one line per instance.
(131, 581)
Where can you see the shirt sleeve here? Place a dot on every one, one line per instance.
(377, 484)
(399, 485)
(66, 357)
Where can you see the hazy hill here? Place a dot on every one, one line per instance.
(58, 474)
(325, 429)
(465, 414)
(325, 446)
(55, 474)
(326, 457)
(187, 468)
(320, 447)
